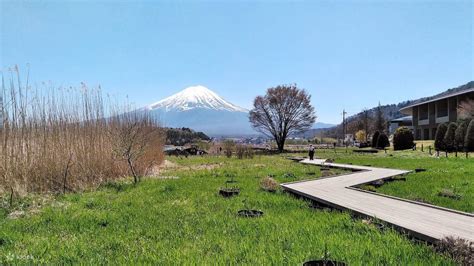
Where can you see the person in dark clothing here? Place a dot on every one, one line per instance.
(311, 152)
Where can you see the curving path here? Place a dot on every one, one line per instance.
(427, 222)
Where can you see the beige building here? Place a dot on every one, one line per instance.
(428, 115)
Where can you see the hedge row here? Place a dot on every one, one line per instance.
(455, 136)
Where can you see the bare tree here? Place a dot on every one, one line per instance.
(136, 137)
(283, 111)
(466, 109)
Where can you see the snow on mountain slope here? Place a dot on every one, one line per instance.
(195, 97)
(201, 109)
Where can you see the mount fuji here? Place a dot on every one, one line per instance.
(201, 109)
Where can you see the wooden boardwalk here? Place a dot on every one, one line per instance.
(424, 221)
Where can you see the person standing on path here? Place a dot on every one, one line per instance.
(311, 152)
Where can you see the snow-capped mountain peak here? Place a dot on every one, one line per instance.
(195, 97)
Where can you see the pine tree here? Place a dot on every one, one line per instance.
(366, 119)
(379, 119)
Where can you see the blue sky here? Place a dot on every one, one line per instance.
(347, 54)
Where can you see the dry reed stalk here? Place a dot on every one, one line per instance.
(66, 139)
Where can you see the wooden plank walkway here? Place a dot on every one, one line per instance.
(424, 221)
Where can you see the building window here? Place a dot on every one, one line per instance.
(423, 112)
(442, 108)
(426, 134)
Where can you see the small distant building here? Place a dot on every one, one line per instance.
(349, 138)
(429, 114)
(406, 121)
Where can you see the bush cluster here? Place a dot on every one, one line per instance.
(403, 139)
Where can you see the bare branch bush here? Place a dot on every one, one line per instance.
(229, 146)
(59, 139)
(137, 141)
(466, 109)
(244, 151)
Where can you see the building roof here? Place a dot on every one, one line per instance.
(403, 119)
(406, 108)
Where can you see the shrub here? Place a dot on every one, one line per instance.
(134, 138)
(448, 140)
(239, 151)
(461, 250)
(375, 139)
(244, 151)
(249, 153)
(382, 141)
(269, 184)
(229, 146)
(460, 134)
(439, 138)
(469, 139)
(403, 139)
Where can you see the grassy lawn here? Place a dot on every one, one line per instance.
(185, 221)
(453, 174)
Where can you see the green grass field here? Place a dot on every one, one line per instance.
(185, 221)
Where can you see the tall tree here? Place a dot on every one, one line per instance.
(379, 119)
(366, 121)
(281, 112)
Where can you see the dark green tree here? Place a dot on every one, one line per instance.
(460, 135)
(383, 141)
(469, 140)
(439, 138)
(403, 139)
(375, 138)
(449, 140)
